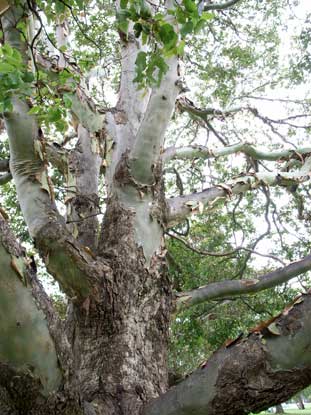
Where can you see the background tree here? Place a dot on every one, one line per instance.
(111, 154)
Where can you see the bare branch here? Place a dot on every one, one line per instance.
(199, 151)
(150, 136)
(183, 206)
(226, 253)
(220, 6)
(223, 289)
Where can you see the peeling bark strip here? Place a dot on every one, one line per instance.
(248, 375)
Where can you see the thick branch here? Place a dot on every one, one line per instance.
(183, 206)
(224, 289)
(198, 151)
(220, 6)
(266, 367)
(25, 338)
(35, 194)
(150, 136)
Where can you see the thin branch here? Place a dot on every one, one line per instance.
(224, 254)
(205, 253)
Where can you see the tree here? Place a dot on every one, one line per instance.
(109, 355)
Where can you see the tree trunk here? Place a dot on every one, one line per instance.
(279, 409)
(299, 401)
(120, 342)
(117, 339)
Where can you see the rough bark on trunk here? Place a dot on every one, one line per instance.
(117, 342)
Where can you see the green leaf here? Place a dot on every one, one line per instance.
(36, 109)
(141, 60)
(54, 114)
(137, 29)
(6, 67)
(180, 15)
(186, 29)
(123, 26)
(7, 105)
(141, 64)
(207, 16)
(28, 77)
(123, 4)
(200, 25)
(168, 36)
(190, 6)
(67, 100)
(59, 7)
(144, 10)
(181, 48)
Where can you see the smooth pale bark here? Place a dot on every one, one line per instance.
(26, 343)
(124, 121)
(221, 6)
(250, 374)
(224, 289)
(198, 151)
(28, 166)
(183, 206)
(150, 136)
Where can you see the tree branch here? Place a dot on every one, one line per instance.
(25, 337)
(56, 245)
(198, 151)
(220, 6)
(150, 136)
(249, 371)
(82, 179)
(182, 206)
(224, 289)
